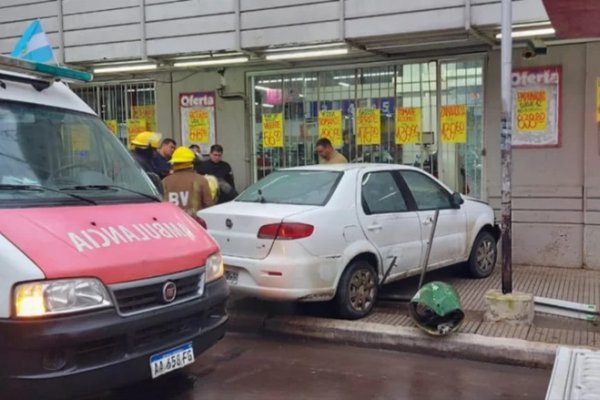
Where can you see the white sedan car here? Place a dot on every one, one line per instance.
(319, 233)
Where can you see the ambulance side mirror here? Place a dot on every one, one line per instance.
(156, 181)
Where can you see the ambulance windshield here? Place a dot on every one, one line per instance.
(65, 153)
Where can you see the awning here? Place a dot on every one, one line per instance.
(574, 19)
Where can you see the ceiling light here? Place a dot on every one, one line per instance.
(344, 84)
(214, 61)
(306, 54)
(304, 48)
(367, 75)
(257, 87)
(530, 33)
(125, 68)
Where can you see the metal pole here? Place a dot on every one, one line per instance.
(506, 146)
(429, 244)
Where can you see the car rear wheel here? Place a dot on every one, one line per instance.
(357, 290)
(483, 255)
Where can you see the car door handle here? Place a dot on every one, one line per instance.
(428, 221)
(374, 227)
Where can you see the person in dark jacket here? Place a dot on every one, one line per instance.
(162, 156)
(143, 152)
(220, 169)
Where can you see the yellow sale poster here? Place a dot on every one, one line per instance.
(112, 125)
(368, 126)
(532, 111)
(147, 113)
(408, 125)
(80, 138)
(454, 124)
(330, 126)
(272, 126)
(199, 126)
(135, 126)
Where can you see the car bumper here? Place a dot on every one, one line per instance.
(102, 350)
(288, 273)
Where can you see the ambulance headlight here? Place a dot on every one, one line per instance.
(214, 267)
(45, 298)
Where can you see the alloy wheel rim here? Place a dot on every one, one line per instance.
(486, 255)
(362, 290)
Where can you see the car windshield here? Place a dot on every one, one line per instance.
(51, 156)
(312, 188)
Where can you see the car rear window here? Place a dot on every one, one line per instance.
(311, 188)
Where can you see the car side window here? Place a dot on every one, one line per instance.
(428, 194)
(380, 194)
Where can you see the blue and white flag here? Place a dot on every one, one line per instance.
(34, 45)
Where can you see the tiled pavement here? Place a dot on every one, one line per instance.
(565, 284)
(581, 286)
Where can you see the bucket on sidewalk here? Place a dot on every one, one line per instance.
(436, 309)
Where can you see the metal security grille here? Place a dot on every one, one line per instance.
(298, 97)
(120, 102)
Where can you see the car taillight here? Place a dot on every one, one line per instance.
(200, 221)
(285, 231)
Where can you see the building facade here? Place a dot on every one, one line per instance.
(206, 71)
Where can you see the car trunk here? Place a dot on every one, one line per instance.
(235, 226)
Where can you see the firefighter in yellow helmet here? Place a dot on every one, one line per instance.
(143, 148)
(184, 187)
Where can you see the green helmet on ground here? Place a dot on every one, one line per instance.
(436, 309)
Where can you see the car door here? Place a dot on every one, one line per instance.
(450, 240)
(387, 221)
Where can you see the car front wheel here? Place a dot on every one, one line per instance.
(357, 290)
(483, 255)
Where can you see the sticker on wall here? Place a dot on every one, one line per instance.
(112, 125)
(135, 126)
(330, 126)
(368, 126)
(453, 121)
(198, 119)
(147, 113)
(536, 107)
(272, 127)
(408, 125)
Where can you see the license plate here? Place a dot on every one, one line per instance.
(171, 359)
(231, 277)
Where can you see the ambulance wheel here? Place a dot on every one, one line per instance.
(357, 290)
(483, 256)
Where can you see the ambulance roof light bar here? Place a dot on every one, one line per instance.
(44, 70)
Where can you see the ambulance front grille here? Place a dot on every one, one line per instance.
(140, 296)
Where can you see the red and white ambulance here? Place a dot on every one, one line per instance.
(101, 283)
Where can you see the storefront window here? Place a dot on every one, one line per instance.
(124, 107)
(358, 108)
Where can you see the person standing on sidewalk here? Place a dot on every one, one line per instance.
(327, 154)
(162, 156)
(185, 188)
(220, 169)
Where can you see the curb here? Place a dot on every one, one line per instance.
(373, 335)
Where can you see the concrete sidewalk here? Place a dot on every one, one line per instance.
(389, 326)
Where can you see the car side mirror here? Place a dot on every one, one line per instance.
(456, 200)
